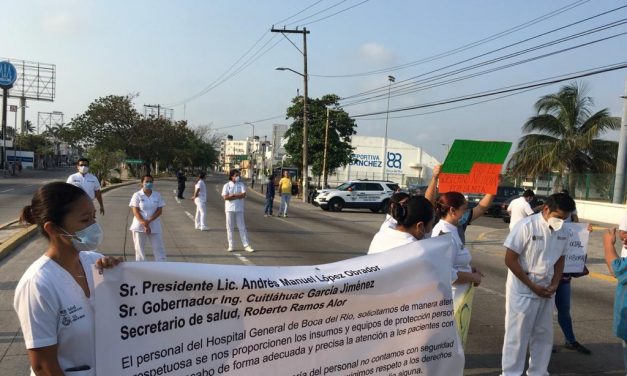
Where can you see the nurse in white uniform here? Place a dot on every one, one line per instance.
(535, 259)
(451, 207)
(414, 219)
(200, 199)
(147, 205)
(54, 298)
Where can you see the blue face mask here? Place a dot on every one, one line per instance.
(237, 179)
(148, 185)
(465, 219)
(86, 239)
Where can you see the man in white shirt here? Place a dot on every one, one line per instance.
(87, 182)
(535, 259)
(200, 198)
(520, 208)
(234, 193)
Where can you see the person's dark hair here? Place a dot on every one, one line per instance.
(447, 201)
(51, 203)
(415, 209)
(147, 176)
(233, 172)
(82, 160)
(528, 193)
(560, 201)
(396, 199)
(201, 175)
(565, 191)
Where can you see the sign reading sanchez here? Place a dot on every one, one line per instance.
(384, 314)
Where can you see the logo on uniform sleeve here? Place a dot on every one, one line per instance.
(537, 237)
(65, 318)
(561, 238)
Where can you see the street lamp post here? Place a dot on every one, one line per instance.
(385, 137)
(326, 149)
(252, 154)
(15, 136)
(305, 164)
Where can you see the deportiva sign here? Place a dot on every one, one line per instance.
(388, 313)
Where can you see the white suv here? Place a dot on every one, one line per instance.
(358, 194)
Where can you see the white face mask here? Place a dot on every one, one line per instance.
(555, 223)
(88, 238)
(83, 169)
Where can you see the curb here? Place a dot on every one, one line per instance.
(21, 236)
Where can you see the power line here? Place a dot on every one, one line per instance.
(495, 92)
(336, 13)
(383, 89)
(464, 47)
(491, 99)
(415, 87)
(220, 79)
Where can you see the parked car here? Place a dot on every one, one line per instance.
(536, 205)
(502, 195)
(357, 194)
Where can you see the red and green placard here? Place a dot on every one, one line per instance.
(473, 166)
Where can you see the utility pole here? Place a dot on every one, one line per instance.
(385, 137)
(619, 181)
(305, 78)
(326, 147)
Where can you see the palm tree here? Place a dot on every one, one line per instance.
(563, 137)
(29, 127)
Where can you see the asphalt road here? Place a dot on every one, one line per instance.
(17, 191)
(311, 236)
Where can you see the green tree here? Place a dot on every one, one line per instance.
(341, 128)
(563, 137)
(29, 127)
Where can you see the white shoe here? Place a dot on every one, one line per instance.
(249, 249)
(265, 215)
(230, 250)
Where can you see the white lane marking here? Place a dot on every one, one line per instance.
(7, 190)
(190, 216)
(491, 291)
(30, 185)
(243, 259)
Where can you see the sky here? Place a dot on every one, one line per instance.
(173, 52)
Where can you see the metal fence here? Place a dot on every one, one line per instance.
(591, 187)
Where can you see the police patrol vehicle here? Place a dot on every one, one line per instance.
(358, 194)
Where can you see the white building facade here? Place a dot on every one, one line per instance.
(405, 164)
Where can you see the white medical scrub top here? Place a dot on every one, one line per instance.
(388, 238)
(539, 248)
(232, 188)
(202, 190)
(388, 222)
(461, 258)
(518, 209)
(53, 310)
(88, 183)
(147, 205)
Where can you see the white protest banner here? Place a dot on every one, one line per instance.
(384, 314)
(575, 257)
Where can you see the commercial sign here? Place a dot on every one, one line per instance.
(381, 314)
(8, 75)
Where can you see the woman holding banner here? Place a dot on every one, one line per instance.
(54, 298)
(414, 219)
(450, 208)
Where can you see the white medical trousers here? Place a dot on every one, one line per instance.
(156, 241)
(236, 218)
(528, 322)
(201, 211)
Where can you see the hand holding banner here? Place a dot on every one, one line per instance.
(378, 314)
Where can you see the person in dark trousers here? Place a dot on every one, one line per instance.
(180, 178)
(269, 197)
